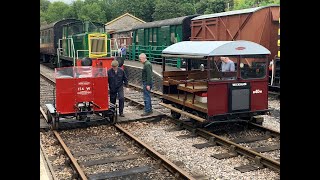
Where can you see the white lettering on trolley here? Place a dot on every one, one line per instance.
(257, 91)
(84, 89)
(83, 83)
(239, 84)
(84, 92)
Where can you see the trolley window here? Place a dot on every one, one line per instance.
(223, 68)
(253, 67)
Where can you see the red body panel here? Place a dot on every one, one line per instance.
(100, 62)
(65, 95)
(217, 98)
(70, 91)
(259, 95)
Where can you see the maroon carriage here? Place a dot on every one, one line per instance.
(209, 90)
(79, 92)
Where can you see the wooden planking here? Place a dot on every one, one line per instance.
(197, 105)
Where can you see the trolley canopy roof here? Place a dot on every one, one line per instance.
(201, 49)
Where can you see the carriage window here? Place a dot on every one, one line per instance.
(253, 68)
(223, 68)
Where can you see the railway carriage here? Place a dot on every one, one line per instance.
(207, 94)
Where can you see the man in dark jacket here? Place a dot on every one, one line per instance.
(147, 84)
(116, 78)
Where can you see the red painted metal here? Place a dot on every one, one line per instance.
(217, 98)
(259, 95)
(72, 90)
(99, 62)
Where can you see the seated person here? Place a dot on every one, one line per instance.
(227, 65)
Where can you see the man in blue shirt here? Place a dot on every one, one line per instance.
(227, 66)
(123, 50)
(116, 79)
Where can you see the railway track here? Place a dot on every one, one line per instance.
(234, 144)
(105, 152)
(258, 161)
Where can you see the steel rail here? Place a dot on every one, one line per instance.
(268, 162)
(68, 152)
(73, 160)
(47, 79)
(178, 172)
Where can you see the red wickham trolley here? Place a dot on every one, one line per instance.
(206, 92)
(80, 91)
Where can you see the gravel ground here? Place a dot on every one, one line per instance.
(194, 160)
(51, 149)
(111, 139)
(273, 121)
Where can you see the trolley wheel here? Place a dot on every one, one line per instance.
(55, 123)
(49, 117)
(194, 113)
(174, 114)
(194, 122)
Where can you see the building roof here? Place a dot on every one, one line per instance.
(228, 13)
(200, 49)
(126, 14)
(166, 22)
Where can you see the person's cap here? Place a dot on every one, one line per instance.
(114, 63)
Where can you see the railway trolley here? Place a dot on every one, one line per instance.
(79, 92)
(208, 94)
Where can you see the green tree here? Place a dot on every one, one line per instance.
(165, 10)
(243, 4)
(215, 6)
(210, 6)
(92, 12)
(56, 11)
(171, 9)
(44, 4)
(142, 9)
(42, 20)
(75, 8)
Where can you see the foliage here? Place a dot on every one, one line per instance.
(170, 9)
(243, 4)
(44, 4)
(210, 6)
(148, 10)
(56, 11)
(91, 12)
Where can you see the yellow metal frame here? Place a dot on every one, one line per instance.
(97, 35)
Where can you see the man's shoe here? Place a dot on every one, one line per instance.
(121, 115)
(147, 113)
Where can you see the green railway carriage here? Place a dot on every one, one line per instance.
(152, 37)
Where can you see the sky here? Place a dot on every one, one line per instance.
(65, 1)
